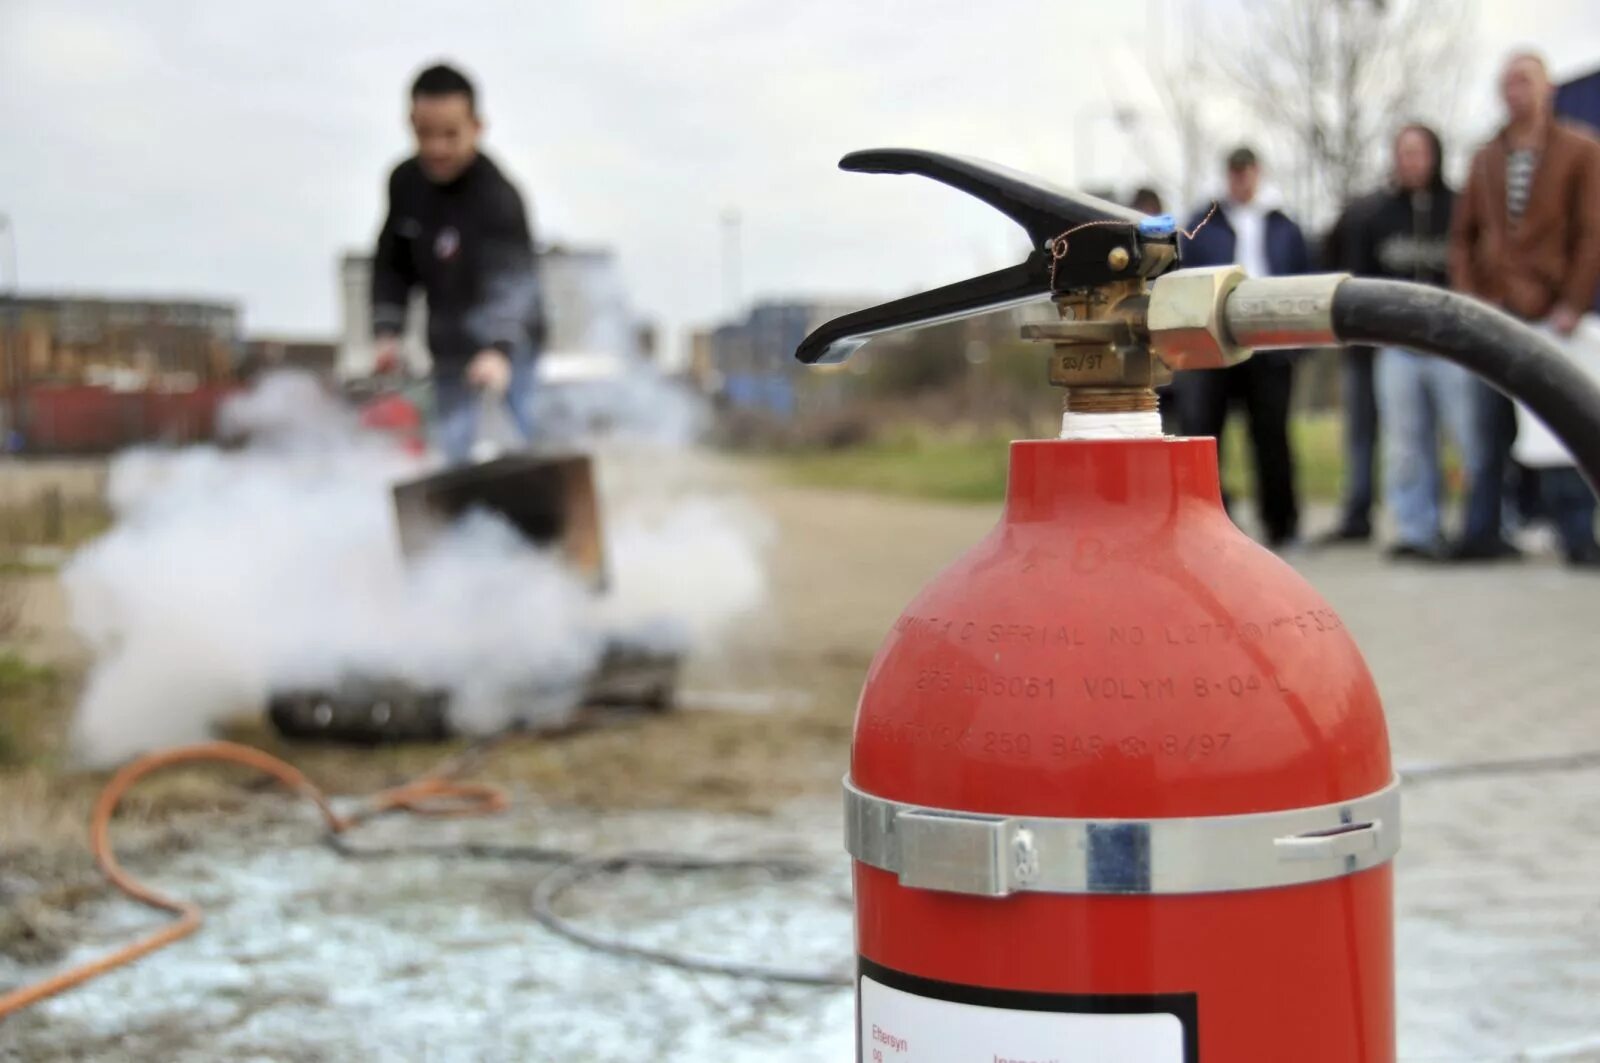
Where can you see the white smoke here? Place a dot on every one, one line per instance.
(231, 574)
(635, 406)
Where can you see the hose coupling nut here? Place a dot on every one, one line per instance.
(1187, 321)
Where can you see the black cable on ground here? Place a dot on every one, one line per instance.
(1507, 353)
(573, 868)
(535, 854)
(554, 885)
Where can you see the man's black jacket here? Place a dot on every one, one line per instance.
(469, 247)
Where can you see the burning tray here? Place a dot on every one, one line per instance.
(549, 497)
(373, 710)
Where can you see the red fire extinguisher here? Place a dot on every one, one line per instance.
(1121, 786)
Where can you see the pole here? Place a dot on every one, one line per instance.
(11, 252)
(10, 370)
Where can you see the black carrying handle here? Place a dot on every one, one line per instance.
(1044, 212)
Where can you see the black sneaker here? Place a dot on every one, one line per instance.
(1588, 560)
(1344, 535)
(1424, 552)
(1287, 547)
(1471, 550)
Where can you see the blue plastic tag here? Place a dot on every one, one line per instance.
(1158, 225)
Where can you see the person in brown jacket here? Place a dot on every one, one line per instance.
(1526, 237)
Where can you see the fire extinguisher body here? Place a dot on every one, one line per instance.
(1121, 788)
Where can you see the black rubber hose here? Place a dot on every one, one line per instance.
(1497, 347)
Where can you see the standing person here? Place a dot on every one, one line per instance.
(1526, 238)
(1570, 505)
(457, 229)
(1255, 234)
(1406, 236)
(1342, 251)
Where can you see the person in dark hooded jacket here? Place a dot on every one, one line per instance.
(1405, 234)
(1342, 252)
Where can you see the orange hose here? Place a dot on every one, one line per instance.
(433, 794)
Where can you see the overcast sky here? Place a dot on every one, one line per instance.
(234, 149)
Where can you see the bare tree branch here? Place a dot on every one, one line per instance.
(1326, 82)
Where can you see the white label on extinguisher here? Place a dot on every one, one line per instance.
(902, 1027)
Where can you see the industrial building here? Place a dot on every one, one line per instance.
(86, 374)
(750, 363)
(65, 339)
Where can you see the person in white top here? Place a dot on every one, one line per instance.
(1249, 230)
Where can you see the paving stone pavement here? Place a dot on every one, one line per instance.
(1498, 882)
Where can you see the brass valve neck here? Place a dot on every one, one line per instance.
(1110, 400)
(1101, 354)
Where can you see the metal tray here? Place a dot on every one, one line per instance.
(372, 710)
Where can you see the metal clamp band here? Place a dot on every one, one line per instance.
(995, 856)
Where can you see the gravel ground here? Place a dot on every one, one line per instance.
(309, 955)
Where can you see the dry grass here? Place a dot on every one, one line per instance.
(33, 714)
(53, 521)
(44, 799)
(42, 812)
(39, 927)
(691, 758)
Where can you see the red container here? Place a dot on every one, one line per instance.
(74, 419)
(396, 416)
(88, 419)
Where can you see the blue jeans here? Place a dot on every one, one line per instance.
(1417, 395)
(1359, 385)
(1496, 421)
(1570, 505)
(458, 408)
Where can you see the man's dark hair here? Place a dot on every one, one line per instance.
(1242, 158)
(442, 79)
(1436, 179)
(1147, 200)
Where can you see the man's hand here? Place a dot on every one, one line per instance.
(385, 355)
(1564, 319)
(490, 370)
